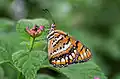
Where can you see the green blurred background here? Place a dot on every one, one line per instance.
(96, 23)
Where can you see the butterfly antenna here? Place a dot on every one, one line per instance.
(50, 15)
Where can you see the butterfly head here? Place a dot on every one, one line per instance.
(53, 26)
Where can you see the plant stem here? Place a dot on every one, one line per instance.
(33, 40)
(20, 76)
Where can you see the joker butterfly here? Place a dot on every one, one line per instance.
(64, 50)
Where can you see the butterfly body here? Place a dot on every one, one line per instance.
(64, 50)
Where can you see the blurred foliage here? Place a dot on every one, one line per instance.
(96, 23)
(6, 25)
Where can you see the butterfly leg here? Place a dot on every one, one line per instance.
(75, 60)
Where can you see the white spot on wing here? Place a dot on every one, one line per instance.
(66, 58)
(70, 57)
(85, 54)
(57, 39)
(82, 56)
(63, 49)
(58, 61)
(50, 33)
(75, 51)
(73, 54)
(50, 37)
(53, 61)
(62, 60)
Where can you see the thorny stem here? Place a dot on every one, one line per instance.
(33, 40)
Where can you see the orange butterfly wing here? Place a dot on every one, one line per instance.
(64, 49)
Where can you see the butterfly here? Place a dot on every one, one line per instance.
(64, 50)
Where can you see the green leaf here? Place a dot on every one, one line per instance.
(7, 47)
(6, 24)
(88, 70)
(43, 76)
(52, 71)
(3, 55)
(9, 70)
(1, 73)
(29, 62)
